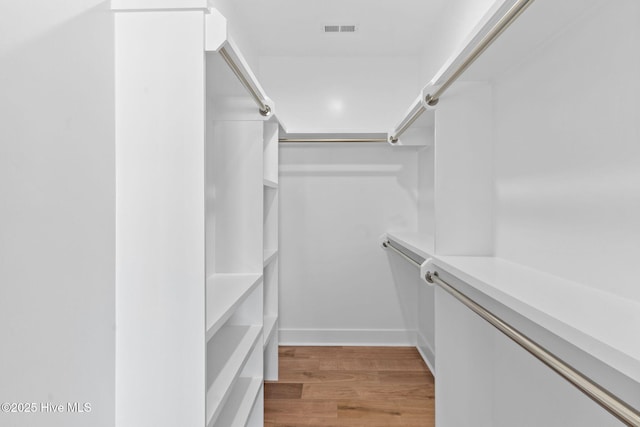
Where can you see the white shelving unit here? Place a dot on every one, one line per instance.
(270, 249)
(236, 255)
(241, 403)
(197, 351)
(227, 354)
(225, 292)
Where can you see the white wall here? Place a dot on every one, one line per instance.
(336, 284)
(567, 153)
(456, 19)
(368, 94)
(426, 175)
(57, 186)
(464, 171)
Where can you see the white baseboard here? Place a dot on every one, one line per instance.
(427, 353)
(354, 337)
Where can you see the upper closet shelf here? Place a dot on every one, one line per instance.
(597, 322)
(502, 14)
(225, 292)
(217, 39)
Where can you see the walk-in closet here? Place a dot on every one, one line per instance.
(247, 213)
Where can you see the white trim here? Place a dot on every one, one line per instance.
(427, 353)
(148, 5)
(354, 337)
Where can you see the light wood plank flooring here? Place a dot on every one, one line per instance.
(350, 386)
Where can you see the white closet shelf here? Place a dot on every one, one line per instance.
(268, 183)
(232, 346)
(419, 243)
(269, 256)
(240, 403)
(269, 328)
(593, 320)
(597, 322)
(224, 293)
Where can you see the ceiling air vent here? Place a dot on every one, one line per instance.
(339, 28)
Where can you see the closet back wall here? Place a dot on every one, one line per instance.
(336, 200)
(336, 285)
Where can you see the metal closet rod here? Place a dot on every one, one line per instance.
(598, 394)
(388, 245)
(601, 396)
(264, 109)
(332, 140)
(432, 99)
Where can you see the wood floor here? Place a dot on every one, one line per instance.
(350, 386)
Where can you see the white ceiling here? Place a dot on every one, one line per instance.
(295, 27)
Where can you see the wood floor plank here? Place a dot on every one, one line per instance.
(285, 409)
(317, 352)
(402, 377)
(369, 409)
(349, 387)
(326, 376)
(379, 353)
(329, 391)
(282, 390)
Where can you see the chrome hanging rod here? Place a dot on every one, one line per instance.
(393, 139)
(601, 396)
(432, 99)
(512, 14)
(332, 140)
(264, 109)
(388, 245)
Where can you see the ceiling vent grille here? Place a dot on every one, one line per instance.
(339, 28)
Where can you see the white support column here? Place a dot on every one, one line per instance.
(160, 316)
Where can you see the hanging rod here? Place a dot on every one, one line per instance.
(432, 99)
(388, 245)
(264, 109)
(598, 394)
(507, 19)
(415, 116)
(332, 140)
(601, 396)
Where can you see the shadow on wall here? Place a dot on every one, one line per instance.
(406, 282)
(57, 186)
(351, 160)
